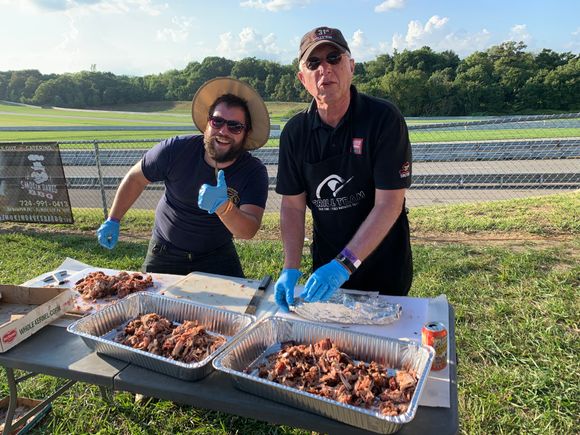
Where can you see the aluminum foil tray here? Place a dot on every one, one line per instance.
(259, 340)
(96, 329)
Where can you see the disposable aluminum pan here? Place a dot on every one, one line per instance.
(264, 338)
(98, 329)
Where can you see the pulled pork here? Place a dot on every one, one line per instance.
(98, 285)
(324, 370)
(152, 333)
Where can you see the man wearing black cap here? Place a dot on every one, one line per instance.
(348, 158)
(214, 188)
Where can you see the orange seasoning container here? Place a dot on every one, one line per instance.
(434, 334)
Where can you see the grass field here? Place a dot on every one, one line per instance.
(178, 114)
(510, 269)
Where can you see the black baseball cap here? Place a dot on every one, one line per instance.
(319, 36)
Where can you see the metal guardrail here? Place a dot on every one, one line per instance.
(440, 181)
(530, 121)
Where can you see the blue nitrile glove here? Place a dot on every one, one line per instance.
(324, 282)
(108, 234)
(284, 288)
(212, 197)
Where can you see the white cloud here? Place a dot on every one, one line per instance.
(361, 49)
(464, 44)
(389, 5)
(519, 32)
(358, 40)
(419, 35)
(274, 5)
(178, 32)
(148, 7)
(70, 35)
(247, 43)
(574, 43)
(435, 34)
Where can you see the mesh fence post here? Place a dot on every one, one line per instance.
(101, 182)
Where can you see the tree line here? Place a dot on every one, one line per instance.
(502, 79)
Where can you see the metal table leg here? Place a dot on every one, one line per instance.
(13, 400)
(12, 387)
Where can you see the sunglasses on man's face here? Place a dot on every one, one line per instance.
(234, 127)
(314, 62)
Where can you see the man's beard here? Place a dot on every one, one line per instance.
(230, 155)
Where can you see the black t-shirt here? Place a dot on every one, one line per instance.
(378, 122)
(179, 163)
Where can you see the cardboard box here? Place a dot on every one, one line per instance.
(25, 310)
(23, 405)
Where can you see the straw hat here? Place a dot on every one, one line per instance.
(215, 88)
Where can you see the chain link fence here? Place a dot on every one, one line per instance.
(453, 162)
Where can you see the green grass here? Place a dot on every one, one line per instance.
(517, 323)
(156, 112)
(554, 214)
(276, 109)
(471, 135)
(542, 216)
(55, 136)
(179, 113)
(415, 136)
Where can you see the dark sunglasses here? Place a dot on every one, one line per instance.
(314, 62)
(234, 127)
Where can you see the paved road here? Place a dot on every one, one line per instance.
(485, 167)
(416, 197)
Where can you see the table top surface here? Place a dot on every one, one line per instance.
(54, 351)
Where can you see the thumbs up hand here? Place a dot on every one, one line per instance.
(210, 198)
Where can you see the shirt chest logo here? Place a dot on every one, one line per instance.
(333, 183)
(330, 196)
(357, 145)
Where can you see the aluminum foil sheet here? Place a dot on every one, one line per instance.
(266, 336)
(350, 308)
(97, 330)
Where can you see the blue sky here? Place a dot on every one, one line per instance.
(138, 37)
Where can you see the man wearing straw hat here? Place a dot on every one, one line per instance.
(214, 188)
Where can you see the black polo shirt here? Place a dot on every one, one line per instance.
(328, 141)
(386, 148)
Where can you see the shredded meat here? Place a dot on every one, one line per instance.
(324, 370)
(97, 285)
(189, 342)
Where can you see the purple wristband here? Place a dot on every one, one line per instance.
(350, 255)
(112, 219)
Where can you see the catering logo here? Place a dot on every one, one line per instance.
(36, 181)
(9, 336)
(334, 183)
(328, 198)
